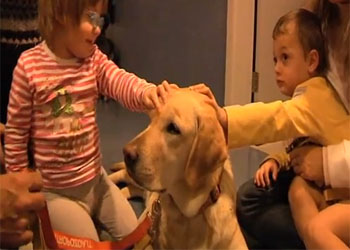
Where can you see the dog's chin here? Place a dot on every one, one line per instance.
(145, 185)
(150, 187)
(157, 190)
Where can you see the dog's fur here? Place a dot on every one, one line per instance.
(182, 155)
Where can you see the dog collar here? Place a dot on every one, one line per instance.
(213, 197)
(155, 215)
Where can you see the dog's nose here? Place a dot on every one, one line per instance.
(130, 156)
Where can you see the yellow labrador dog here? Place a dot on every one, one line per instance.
(182, 156)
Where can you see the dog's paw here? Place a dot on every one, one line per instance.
(126, 192)
(118, 166)
(120, 176)
(130, 192)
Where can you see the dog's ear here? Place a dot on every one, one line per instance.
(208, 151)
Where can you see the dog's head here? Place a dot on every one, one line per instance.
(181, 152)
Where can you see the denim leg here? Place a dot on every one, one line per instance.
(265, 216)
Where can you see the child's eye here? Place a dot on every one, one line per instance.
(274, 60)
(284, 57)
(95, 19)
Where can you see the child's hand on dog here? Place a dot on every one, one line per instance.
(156, 96)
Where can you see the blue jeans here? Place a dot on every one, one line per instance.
(265, 216)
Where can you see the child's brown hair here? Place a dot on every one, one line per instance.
(53, 11)
(309, 34)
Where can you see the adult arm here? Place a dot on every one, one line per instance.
(336, 164)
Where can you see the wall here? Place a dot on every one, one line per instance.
(183, 41)
(239, 51)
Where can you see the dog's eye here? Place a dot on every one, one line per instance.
(173, 129)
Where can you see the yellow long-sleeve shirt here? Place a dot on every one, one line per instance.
(315, 111)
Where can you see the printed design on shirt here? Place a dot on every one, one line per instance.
(67, 119)
(73, 146)
(58, 108)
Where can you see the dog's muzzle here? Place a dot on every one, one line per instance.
(130, 156)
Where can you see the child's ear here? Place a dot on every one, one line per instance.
(313, 59)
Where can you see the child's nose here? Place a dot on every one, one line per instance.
(97, 30)
(277, 68)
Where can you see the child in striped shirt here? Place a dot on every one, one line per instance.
(53, 106)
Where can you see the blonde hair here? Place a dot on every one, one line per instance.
(54, 11)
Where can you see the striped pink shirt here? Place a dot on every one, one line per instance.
(53, 104)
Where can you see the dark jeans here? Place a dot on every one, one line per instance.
(265, 216)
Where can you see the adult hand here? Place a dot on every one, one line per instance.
(307, 162)
(19, 199)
